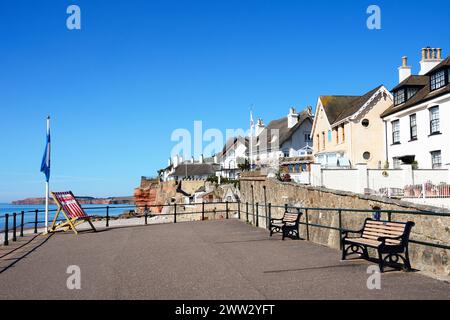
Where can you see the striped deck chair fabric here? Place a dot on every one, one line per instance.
(69, 206)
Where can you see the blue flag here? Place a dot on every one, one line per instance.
(45, 166)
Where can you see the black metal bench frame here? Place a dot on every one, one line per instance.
(287, 229)
(394, 253)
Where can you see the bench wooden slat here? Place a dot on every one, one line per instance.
(382, 233)
(387, 224)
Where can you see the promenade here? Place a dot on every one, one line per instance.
(195, 260)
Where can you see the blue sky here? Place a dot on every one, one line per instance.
(140, 69)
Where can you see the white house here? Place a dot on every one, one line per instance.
(417, 125)
(232, 155)
(283, 138)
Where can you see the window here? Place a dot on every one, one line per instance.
(343, 133)
(399, 96)
(413, 127)
(329, 136)
(336, 132)
(365, 123)
(397, 163)
(323, 140)
(396, 132)
(286, 153)
(434, 120)
(366, 155)
(436, 159)
(297, 168)
(438, 80)
(410, 92)
(318, 142)
(307, 137)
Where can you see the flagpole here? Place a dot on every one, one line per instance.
(47, 184)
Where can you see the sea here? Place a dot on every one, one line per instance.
(29, 215)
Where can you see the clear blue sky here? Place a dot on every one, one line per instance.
(139, 69)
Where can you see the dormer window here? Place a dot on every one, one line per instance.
(410, 92)
(399, 97)
(438, 80)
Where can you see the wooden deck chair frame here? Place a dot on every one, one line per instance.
(71, 221)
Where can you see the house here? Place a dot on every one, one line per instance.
(233, 155)
(348, 130)
(189, 170)
(282, 138)
(417, 126)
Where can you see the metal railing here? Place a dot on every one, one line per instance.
(254, 213)
(13, 229)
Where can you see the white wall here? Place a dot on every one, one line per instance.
(338, 179)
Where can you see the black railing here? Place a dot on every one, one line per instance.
(254, 216)
(251, 212)
(10, 229)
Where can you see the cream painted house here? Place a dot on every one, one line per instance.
(348, 130)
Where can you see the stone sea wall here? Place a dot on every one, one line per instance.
(433, 229)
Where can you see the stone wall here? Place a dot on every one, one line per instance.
(433, 229)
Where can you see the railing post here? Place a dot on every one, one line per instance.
(340, 228)
(257, 214)
(269, 215)
(227, 209)
(107, 216)
(239, 209)
(6, 242)
(246, 211)
(307, 224)
(36, 213)
(14, 239)
(146, 214)
(22, 216)
(203, 210)
(175, 213)
(285, 207)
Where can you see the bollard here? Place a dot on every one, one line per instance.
(36, 212)
(285, 207)
(6, 242)
(22, 215)
(175, 213)
(146, 214)
(257, 214)
(107, 216)
(203, 211)
(269, 216)
(389, 216)
(14, 239)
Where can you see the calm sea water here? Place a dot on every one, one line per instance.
(29, 217)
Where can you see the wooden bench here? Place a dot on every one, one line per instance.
(288, 225)
(388, 238)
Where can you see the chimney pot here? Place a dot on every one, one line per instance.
(423, 54)
(439, 51)
(405, 61)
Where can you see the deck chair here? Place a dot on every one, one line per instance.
(68, 205)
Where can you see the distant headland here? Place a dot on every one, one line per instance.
(81, 200)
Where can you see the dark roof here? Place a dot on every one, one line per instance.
(337, 108)
(282, 126)
(194, 169)
(231, 142)
(424, 94)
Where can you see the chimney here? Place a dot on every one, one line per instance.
(292, 118)
(176, 161)
(201, 160)
(431, 57)
(192, 159)
(404, 72)
(259, 127)
(216, 160)
(309, 111)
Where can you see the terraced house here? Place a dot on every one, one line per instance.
(348, 130)
(417, 125)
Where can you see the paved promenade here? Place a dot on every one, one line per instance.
(198, 260)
